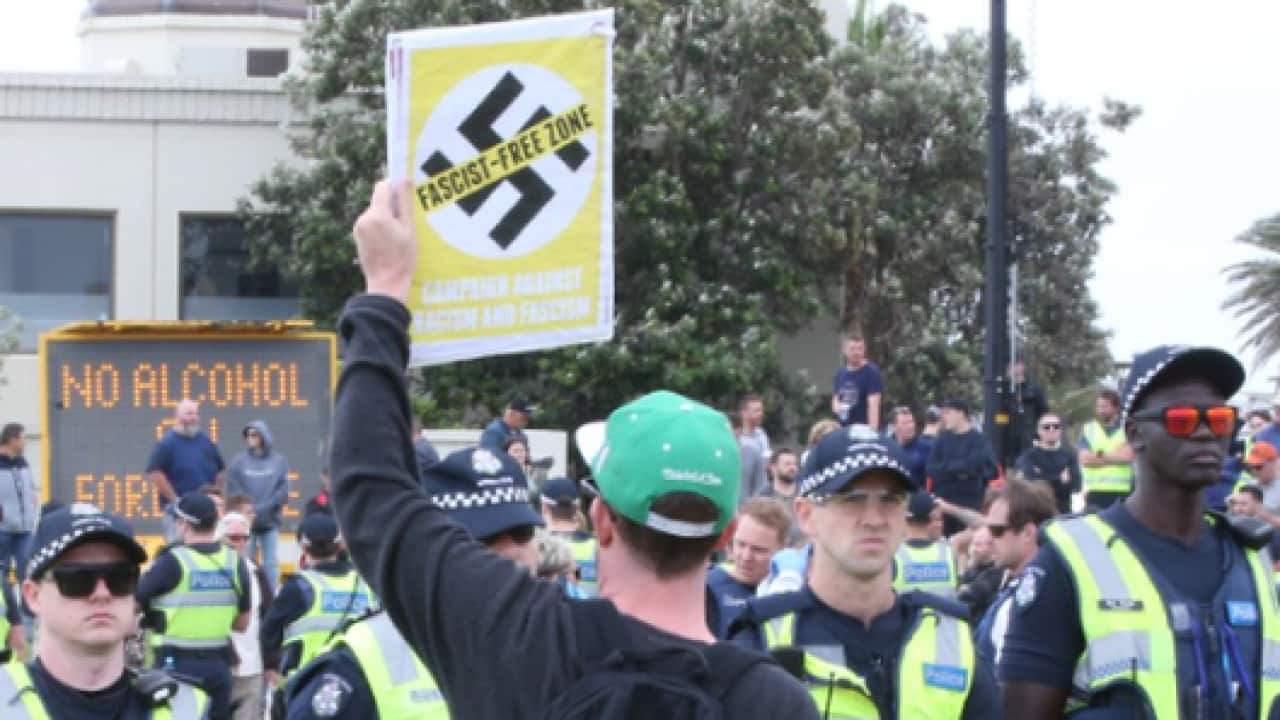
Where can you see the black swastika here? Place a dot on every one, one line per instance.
(535, 193)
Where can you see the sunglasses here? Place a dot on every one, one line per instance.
(236, 537)
(79, 581)
(861, 500)
(1051, 426)
(1184, 420)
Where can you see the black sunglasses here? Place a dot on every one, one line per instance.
(80, 580)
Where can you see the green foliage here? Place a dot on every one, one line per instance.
(1256, 297)
(761, 175)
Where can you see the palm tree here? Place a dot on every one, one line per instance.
(1257, 293)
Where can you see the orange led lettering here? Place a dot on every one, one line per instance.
(282, 384)
(144, 380)
(83, 387)
(251, 383)
(187, 372)
(294, 399)
(107, 385)
(165, 400)
(290, 509)
(223, 400)
(163, 425)
(213, 429)
(83, 494)
(135, 491)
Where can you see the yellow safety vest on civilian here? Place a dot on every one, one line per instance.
(402, 687)
(930, 569)
(20, 701)
(1108, 478)
(199, 612)
(933, 677)
(1126, 621)
(335, 598)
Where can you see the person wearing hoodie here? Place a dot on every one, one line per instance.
(19, 503)
(262, 473)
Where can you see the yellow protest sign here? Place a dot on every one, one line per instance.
(505, 130)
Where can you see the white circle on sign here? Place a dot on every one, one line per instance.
(541, 91)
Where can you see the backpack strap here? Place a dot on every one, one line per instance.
(729, 664)
(760, 610)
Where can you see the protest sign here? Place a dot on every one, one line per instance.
(505, 130)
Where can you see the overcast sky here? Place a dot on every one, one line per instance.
(1194, 171)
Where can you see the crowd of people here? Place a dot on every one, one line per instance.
(697, 570)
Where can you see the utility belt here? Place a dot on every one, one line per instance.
(219, 654)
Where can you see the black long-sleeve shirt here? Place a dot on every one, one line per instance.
(961, 465)
(501, 643)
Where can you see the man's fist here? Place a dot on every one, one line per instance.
(385, 240)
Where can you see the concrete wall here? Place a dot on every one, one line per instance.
(155, 44)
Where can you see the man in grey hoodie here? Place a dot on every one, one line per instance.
(19, 502)
(262, 473)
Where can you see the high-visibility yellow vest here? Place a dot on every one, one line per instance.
(4, 621)
(401, 685)
(20, 701)
(1135, 645)
(1108, 478)
(200, 610)
(584, 554)
(933, 677)
(930, 569)
(335, 598)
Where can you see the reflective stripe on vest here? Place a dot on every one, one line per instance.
(584, 554)
(1108, 478)
(1135, 645)
(200, 610)
(335, 598)
(934, 673)
(401, 685)
(930, 569)
(20, 701)
(4, 620)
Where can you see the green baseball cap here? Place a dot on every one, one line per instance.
(659, 444)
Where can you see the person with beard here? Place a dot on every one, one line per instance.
(1105, 457)
(784, 466)
(183, 461)
(1051, 463)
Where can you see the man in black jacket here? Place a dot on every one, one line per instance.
(474, 618)
(961, 463)
(1049, 462)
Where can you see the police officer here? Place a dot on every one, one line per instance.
(863, 650)
(313, 603)
(1152, 608)
(10, 626)
(560, 512)
(80, 583)
(1104, 454)
(370, 672)
(925, 561)
(201, 591)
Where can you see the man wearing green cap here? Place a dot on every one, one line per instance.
(500, 642)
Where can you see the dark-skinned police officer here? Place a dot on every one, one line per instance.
(371, 673)
(81, 578)
(201, 588)
(1152, 608)
(864, 650)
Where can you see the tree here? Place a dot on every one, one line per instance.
(1256, 298)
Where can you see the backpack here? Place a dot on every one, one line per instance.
(619, 682)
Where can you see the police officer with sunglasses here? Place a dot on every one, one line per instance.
(1153, 608)
(80, 585)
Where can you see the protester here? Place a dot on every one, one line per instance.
(262, 472)
(1014, 518)
(913, 448)
(838, 631)
(857, 386)
(751, 459)
(751, 408)
(762, 529)
(515, 418)
(249, 676)
(924, 561)
(1052, 463)
(784, 466)
(1263, 464)
(313, 603)
(961, 463)
(1270, 433)
(202, 591)
(321, 502)
(932, 422)
(183, 461)
(819, 430)
(80, 584)
(19, 506)
(474, 618)
(560, 512)
(1104, 454)
(556, 564)
(1030, 404)
(1171, 610)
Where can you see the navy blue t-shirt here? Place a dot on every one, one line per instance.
(730, 597)
(187, 462)
(853, 387)
(118, 701)
(1045, 638)
(872, 652)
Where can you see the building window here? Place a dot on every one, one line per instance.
(54, 269)
(218, 283)
(267, 63)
